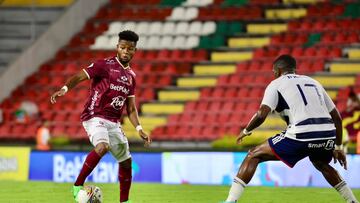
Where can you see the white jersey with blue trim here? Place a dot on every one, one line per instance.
(304, 104)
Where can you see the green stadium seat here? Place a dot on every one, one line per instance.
(231, 3)
(172, 3)
(235, 27)
(212, 42)
(352, 10)
(222, 27)
(313, 39)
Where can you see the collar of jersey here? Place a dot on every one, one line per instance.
(127, 67)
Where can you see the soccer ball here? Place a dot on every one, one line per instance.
(89, 194)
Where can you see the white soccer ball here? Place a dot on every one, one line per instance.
(82, 196)
(90, 194)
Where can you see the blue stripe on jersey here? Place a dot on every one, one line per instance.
(302, 94)
(316, 134)
(312, 121)
(282, 104)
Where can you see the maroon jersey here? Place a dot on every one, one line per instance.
(111, 85)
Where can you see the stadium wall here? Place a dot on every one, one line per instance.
(47, 44)
(14, 163)
(212, 168)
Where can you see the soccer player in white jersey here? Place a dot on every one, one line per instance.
(314, 129)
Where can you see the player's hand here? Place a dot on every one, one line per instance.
(146, 138)
(241, 136)
(339, 155)
(59, 93)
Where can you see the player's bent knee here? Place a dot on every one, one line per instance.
(261, 153)
(251, 153)
(254, 152)
(102, 148)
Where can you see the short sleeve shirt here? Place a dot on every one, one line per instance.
(302, 102)
(111, 85)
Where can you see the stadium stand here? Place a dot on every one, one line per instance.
(202, 66)
(22, 22)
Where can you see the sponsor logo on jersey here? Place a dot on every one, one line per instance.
(118, 102)
(114, 70)
(110, 61)
(93, 101)
(119, 88)
(125, 80)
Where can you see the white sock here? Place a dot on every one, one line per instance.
(236, 190)
(345, 192)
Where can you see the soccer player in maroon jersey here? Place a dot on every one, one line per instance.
(113, 87)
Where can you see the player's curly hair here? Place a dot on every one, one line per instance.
(128, 35)
(285, 62)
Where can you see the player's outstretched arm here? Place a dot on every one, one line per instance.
(134, 119)
(71, 83)
(339, 154)
(254, 122)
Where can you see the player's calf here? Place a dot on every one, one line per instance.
(334, 179)
(125, 178)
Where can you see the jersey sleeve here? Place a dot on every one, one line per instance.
(328, 101)
(271, 96)
(95, 70)
(133, 87)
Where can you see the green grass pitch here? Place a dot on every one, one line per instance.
(48, 192)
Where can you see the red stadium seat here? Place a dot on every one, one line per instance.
(215, 106)
(163, 55)
(228, 107)
(190, 106)
(217, 93)
(203, 106)
(223, 80)
(243, 93)
(178, 55)
(197, 118)
(310, 52)
(318, 65)
(206, 92)
(63, 116)
(211, 119)
(230, 92)
(240, 106)
(173, 119)
(186, 118)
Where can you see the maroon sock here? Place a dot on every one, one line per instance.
(90, 163)
(125, 182)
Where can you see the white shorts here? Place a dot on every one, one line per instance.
(102, 130)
